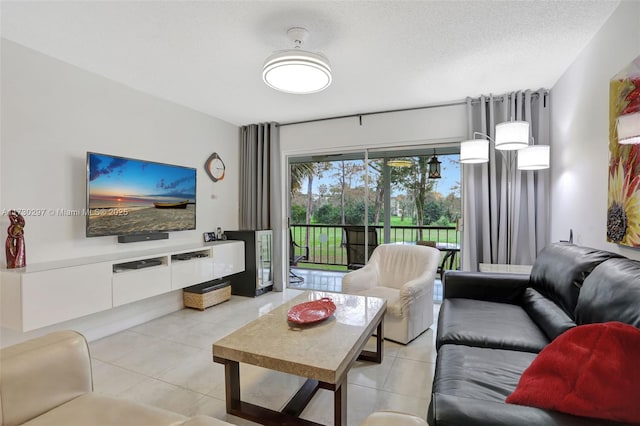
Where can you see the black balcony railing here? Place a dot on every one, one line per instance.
(327, 242)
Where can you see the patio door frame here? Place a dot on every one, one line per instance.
(442, 147)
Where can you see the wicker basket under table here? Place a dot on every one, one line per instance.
(205, 295)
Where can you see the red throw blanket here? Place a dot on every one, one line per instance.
(591, 370)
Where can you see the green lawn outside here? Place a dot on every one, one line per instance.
(325, 243)
(340, 268)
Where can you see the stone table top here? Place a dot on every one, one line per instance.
(323, 351)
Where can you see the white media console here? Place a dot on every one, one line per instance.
(44, 294)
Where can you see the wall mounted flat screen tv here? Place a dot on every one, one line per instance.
(126, 196)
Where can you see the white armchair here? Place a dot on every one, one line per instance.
(403, 275)
(47, 381)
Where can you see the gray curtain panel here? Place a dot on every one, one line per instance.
(505, 210)
(260, 192)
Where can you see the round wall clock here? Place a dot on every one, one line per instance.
(215, 167)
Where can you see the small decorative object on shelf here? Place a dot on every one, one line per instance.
(14, 246)
(209, 236)
(219, 233)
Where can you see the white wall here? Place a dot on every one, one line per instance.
(580, 132)
(435, 125)
(52, 114)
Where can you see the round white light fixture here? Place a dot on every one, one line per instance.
(295, 70)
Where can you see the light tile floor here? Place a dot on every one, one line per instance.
(167, 362)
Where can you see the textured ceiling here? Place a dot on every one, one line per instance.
(208, 55)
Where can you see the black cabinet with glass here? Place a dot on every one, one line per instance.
(257, 277)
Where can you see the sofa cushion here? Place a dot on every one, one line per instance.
(488, 325)
(490, 286)
(450, 410)
(479, 373)
(95, 409)
(561, 268)
(589, 371)
(546, 314)
(611, 293)
(470, 386)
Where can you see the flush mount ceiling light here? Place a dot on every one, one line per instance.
(296, 70)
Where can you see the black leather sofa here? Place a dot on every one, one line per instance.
(492, 326)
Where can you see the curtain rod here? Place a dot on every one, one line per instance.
(440, 105)
(374, 113)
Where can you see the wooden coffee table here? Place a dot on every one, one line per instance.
(323, 352)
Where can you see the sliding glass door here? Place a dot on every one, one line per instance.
(343, 205)
(328, 194)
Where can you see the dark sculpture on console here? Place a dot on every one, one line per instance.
(16, 256)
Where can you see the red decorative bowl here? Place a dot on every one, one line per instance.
(310, 312)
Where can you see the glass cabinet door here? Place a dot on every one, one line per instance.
(263, 258)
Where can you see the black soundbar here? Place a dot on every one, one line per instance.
(143, 237)
(188, 256)
(139, 264)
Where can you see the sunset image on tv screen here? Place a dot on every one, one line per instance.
(127, 196)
